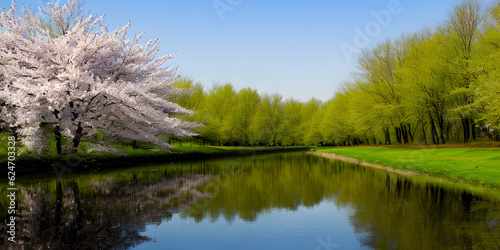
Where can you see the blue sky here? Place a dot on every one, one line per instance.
(290, 47)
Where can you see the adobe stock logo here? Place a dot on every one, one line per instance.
(223, 6)
(363, 37)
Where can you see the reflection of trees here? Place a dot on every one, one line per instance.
(104, 214)
(423, 216)
(273, 181)
(389, 211)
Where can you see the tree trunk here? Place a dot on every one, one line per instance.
(465, 126)
(404, 133)
(448, 130)
(435, 138)
(441, 129)
(387, 136)
(412, 135)
(398, 134)
(473, 129)
(78, 136)
(57, 134)
(423, 131)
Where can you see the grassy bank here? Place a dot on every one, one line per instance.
(31, 163)
(472, 165)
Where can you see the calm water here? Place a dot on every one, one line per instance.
(274, 201)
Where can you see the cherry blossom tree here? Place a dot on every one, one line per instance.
(61, 70)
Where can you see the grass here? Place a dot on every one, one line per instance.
(94, 160)
(194, 150)
(472, 165)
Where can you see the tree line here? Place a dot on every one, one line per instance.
(434, 86)
(64, 77)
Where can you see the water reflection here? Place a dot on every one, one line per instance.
(386, 210)
(424, 216)
(90, 214)
(390, 211)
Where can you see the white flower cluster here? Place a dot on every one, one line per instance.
(71, 73)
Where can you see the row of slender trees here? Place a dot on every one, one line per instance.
(434, 86)
(65, 76)
(245, 117)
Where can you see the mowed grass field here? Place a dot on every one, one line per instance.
(185, 150)
(472, 165)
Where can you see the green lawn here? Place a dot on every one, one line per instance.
(185, 150)
(199, 150)
(473, 165)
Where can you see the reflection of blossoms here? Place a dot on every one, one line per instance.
(103, 214)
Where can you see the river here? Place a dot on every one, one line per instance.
(269, 201)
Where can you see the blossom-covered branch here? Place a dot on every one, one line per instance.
(83, 80)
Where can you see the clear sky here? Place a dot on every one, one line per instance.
(292, 47)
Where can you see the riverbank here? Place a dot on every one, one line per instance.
(478, 166)
(363, 163)
(97, 161)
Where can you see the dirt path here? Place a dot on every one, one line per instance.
(356, 161)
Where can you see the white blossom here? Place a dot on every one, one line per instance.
(82, 80)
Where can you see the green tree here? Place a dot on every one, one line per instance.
(269, 120)
(428, 84)
(311, 123)
(248, 101)
(293, 118)
(377, 78)
(488, 91)
(461, 32)
(189, 94)
(218, 111)
(338, 125)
